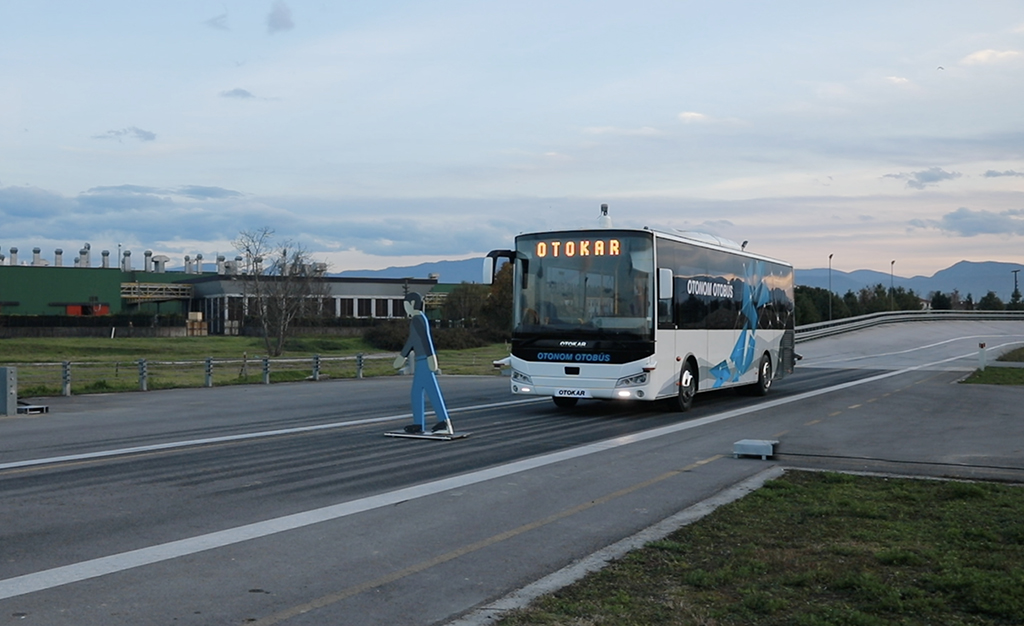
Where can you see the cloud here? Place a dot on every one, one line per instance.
(919, 180)
(125, 189)
(995, 174)
(279, 18)
(644, 131)
(130, 132)
(968, 223)
(237, 92)
(986, 57)
(201, 193)
(31, 202)
(220, 22)
(122, 198)
(689, 117)
(898, 80)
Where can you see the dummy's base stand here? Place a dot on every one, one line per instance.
(439, 436)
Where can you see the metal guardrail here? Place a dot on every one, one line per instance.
(818, 330)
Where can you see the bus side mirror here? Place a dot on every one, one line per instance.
(488, 270)
(490, 263)
(664, 283)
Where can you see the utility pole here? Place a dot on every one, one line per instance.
(892, 290)
(1014, 279)
(830, 287)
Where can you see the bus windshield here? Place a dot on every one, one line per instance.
(585, 284)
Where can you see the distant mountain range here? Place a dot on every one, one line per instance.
(967, 277)
(465, 271)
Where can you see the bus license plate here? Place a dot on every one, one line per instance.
(572, 393)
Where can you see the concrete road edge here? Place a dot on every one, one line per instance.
(569, 574)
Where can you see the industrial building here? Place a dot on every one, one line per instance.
(216, 291)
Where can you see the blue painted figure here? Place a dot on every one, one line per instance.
(424, 380)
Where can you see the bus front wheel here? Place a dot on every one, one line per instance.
(687, 388)
(564, 403)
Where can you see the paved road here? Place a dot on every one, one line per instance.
(286, 504)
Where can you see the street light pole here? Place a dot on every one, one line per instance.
(830, 287)
(892, 289)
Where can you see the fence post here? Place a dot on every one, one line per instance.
(316, 367)
(65, 378)
(209, 371)
(359, 365)
(9, 381)
(143, 375)
(266, 370)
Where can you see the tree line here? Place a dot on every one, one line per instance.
(284, 286)
(813, 303)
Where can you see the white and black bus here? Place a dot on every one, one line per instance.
(644, 314)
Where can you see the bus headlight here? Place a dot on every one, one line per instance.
(633, 381)
(520, 377)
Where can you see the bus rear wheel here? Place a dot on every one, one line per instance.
(764, 377)
(564, 403)
(687, 388)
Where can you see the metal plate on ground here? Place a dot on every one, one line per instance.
(426, 435)
(763, 448)
(25, 408)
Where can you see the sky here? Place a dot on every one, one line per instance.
(389, 133)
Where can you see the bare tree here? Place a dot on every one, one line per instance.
(281, 282)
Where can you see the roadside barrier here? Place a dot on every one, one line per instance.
(808, 332)
(78, 377)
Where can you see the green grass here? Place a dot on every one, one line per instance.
(101, 365)
(27, 350)
(1015, 355)
(1000, 375)
(815, 549)
(997, 376)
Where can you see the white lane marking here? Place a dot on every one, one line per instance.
(94, 568)
(242, 437)
(932, 345)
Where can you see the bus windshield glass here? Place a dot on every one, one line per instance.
(585, 284)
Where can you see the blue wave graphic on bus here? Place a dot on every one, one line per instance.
(755, 295)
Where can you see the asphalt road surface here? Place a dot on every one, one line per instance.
(286, 504)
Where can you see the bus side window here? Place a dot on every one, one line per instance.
(666, 310)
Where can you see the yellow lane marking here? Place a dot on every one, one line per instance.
(334, 598)
(812, 422)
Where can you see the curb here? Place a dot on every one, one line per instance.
(569, 574)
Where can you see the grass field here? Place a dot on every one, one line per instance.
(815, 549)
(997, 376)
(100, 365)
(1001, 375)
(1015, 355)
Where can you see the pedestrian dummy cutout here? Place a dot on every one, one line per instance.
(419, 348)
